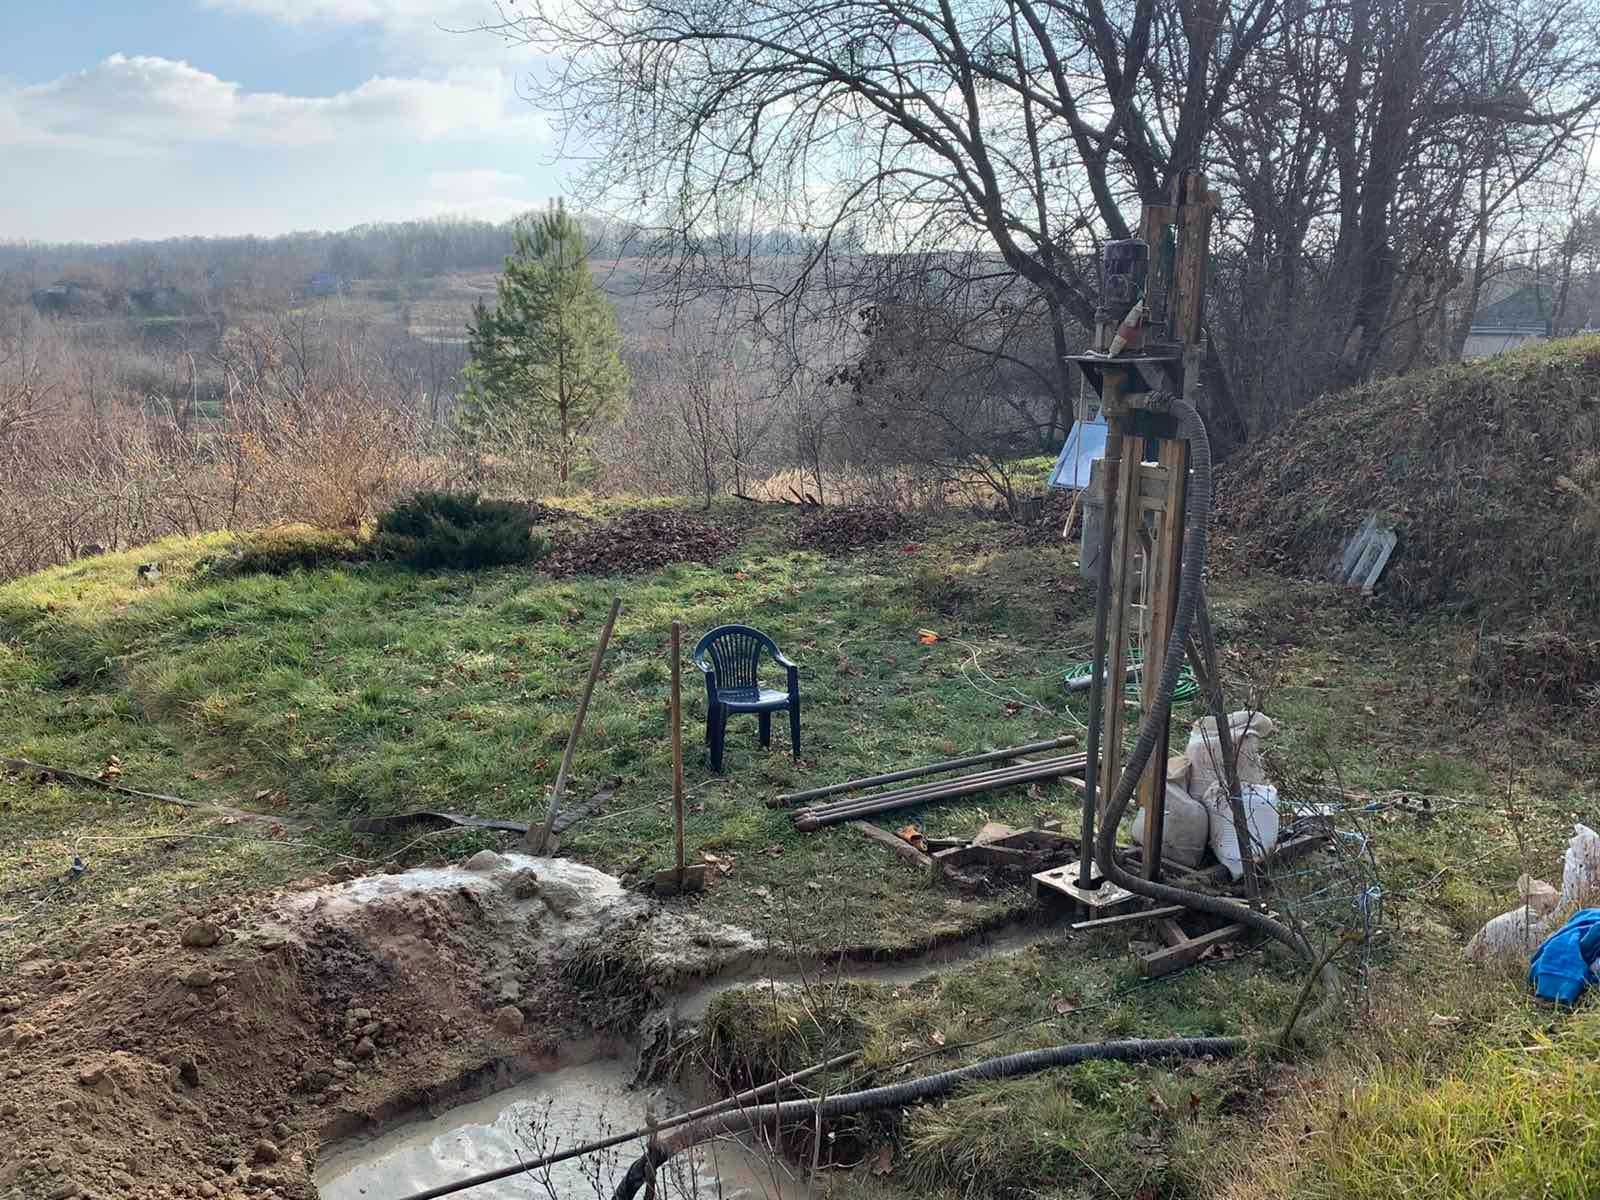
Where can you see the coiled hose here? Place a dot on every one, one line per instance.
(1154, 721)
(911, 1091)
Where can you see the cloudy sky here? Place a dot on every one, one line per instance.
(123, 119)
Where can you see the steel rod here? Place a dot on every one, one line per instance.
(934, 768)
(994, 777)
(808, 819)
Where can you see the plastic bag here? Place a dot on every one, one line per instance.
(1515, 934)
(1204, 751)
(1184, 830)
(1580, 874)
(1261, 822)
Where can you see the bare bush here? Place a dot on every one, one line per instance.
(305, 433)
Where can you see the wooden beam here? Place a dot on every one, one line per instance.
(902, 848)
(1164, 962)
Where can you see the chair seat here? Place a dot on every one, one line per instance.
(752, 699)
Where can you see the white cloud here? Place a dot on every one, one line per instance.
(484, 192)
(136, 103)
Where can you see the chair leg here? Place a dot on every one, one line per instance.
(794, 727)
(766, 728)
(717, 720)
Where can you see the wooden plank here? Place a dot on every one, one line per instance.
(1133, 918)
(1194, 236)
(1171, 932)
(1164, 962)
(899, 845)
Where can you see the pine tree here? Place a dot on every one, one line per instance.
(545, 365)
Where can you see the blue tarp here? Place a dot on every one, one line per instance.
(1561, 968)
(1085, 443)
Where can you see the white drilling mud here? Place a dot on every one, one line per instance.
(564, 1108)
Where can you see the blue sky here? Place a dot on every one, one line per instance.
(155, 118)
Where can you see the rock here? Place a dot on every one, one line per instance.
(343, 1067)
(10, 1004)
(281, 1131)
(485, 860)
(65, 1190)
(317, 1078)
(198, 977)
(508, 1019)
(189, 1071)
(201, 934)
(356, 1015)
(561, 896)
(264, 1154)
(524, 884)
(91, 1075)
(365, 1049)
(207, 1189)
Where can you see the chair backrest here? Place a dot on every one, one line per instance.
(734, 652)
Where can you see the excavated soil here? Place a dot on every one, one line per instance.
(211, 1057)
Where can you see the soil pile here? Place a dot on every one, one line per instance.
(1488, 472)
(645, 539)
(851, 527)
(212, 1058)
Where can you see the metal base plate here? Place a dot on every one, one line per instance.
(1102, 900)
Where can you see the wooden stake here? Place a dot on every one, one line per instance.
(538, 845)
(677, 743)
(681, 878)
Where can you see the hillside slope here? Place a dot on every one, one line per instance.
(1489, 473)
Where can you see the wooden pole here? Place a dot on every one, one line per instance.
(538, 845)
(677, 744)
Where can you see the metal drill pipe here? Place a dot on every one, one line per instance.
(910, 795)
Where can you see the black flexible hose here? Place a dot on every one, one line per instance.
(1154, 724)
(928, 1087)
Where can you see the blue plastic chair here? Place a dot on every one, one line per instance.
(729, 656)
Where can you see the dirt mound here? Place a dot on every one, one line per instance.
(212, 1058)
(1488, 472)
(1547, 665)
(851, 527)
(645, 539)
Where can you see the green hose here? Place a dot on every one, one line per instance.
(1187, 688)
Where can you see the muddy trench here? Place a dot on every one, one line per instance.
(376, 1035)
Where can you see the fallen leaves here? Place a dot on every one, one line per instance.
(640, 540)
(850, 527)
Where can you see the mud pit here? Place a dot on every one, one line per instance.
(213, 1056)
(567, 1107)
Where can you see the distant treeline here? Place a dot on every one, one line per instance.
(182, 274)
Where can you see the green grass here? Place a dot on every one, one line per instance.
(320, 694)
